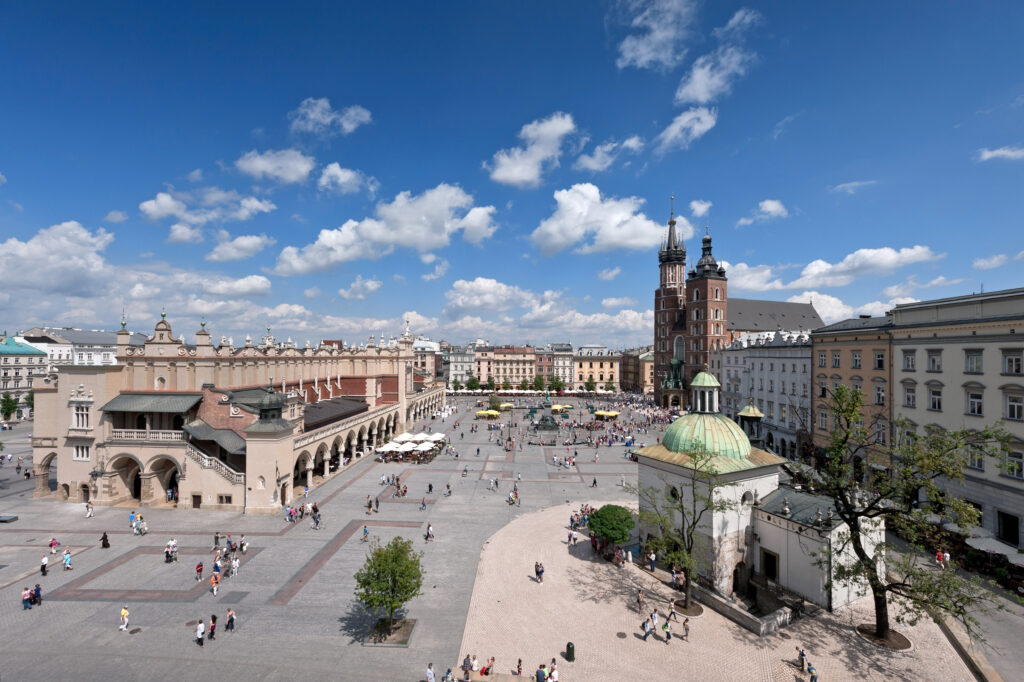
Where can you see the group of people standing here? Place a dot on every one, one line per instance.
(204, 631)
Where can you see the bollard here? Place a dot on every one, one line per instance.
(570, 652)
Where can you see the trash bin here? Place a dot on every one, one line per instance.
(570, 652)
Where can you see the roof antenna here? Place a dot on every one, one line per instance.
(672, 206)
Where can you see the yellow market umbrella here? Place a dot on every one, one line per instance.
(483, 413)
(504, 405)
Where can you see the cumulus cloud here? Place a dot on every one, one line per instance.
(833, 309)
(609, 274)
(659, 28)
(3, 179)
(283, 165)
(484, 294)
(340, 180)
(312, 292)
(712, 75)
(440, 268)
(1004, 153)
(906, 288)
(239, 248)
(360, 288)
(992, 262)
(699, 208)
(769, 209)
(523, 166)
(602, 224)
(617, 302)
(315, 115)
(742, 21)
(686, 128)
(180, 233)
(852, 187)
(604, 155)
(115, 217)
(424, 222)
(62, 258)
(196, 175)
(253, 285)
(204, 205)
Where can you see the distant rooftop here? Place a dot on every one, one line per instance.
(747, 314)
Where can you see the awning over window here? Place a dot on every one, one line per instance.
(172, 403)
(226, 438)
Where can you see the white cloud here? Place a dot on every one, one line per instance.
(699, 208)
(484, 294)
(904, 289)
(609, 223)
(18, 207)
(617, 302)
(115, 217)
(992, 262)
(1020, 255)
(743, 20)
(3, 179)
(752, 277)
(440, 268)
(424, 222)
(312, 292)
(360, 288)
(196, 175)
(63, 259)
(282, 165)
(1006, 153)
(712, 75)
(832, 309)
(852, 187)
(340, 180)
(686, 128)
(162, 206)
(250, 206)
(253, 285)
(316, 116)
(605, 154)
(781, 126)
(659, 29)
(208, 204)
(769, 209)
(523, 166)
(181, 233)
(239, 248)
(609, 274)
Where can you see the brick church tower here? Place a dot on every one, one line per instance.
(669, 319)
(706, 306)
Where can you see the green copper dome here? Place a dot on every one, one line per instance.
(704, 380)
(715, 433)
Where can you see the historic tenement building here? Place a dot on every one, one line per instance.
(694, 317)
(219, 426)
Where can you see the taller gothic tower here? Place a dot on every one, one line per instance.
(706, 309)
(669, 318)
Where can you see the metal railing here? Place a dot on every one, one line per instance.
(220, 467)
(142, 435)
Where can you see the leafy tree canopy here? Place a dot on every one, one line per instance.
(612, 523)
(390, 578)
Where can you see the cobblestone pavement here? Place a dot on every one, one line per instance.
(293, 595)
(591, 603)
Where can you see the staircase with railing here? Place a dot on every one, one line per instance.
(207, 462)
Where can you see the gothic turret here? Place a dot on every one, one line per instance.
(707, 266)
(672, 250)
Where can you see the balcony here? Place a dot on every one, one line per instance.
(80, 432)
(144, 436)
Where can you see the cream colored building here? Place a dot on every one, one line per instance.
(598, 363)
(958, 363)
(220, 426)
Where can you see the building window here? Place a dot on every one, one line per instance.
(935, 399)
(81, 416)
(972, 362)
(1012, 362)
(823, 419)
(880, 431)
(855, 359)
(821, 358)
(935, 361)
(782, 412)
(909, 396)
(1015, 408)
(835, 359)
(223, 499)
(822, 389)
(81, 453)
(909, 360)
(771, 385)
(880, 359)
(717, 294)
(975, 458)
(974, 399)
(1015, 465)
(879, 394)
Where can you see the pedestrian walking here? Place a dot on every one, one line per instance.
(213, 626)
(124, 618)
(43, 563)
(667, 627)
(945, 559)
(801, 657)
(594, 484)
(199, 571)
(26, 599)
(686, 629)
(215, 583)
(37, 595)
(104, 542)
(647, 628)
(216, 541)
(88, 510)
(672, 615)
(376, 506)
(229, 621)
(235, 563)
(813, 672)
(639, 600)
(430, 672)
(200, 632)
(540, 573)
(654, 618)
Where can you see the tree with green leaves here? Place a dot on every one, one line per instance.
(506, 385)
(456, 385)
(917, 463)
(30, 400)
(612, 523)
(556, 384)
(681, 515)
(609, 387)
(538, 383)
(524, 385)
(8, 405)
(590, 385)
(391, 576)
(494, 403)
(490, 384)
(472, 383)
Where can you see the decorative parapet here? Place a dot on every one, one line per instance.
(220, 467)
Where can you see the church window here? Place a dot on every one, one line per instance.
(717, 294)
(696, 295)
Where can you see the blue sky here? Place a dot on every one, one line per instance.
(498, 169)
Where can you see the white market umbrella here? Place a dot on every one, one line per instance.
(437, 437)
(401, 438)
(388, 447)
(424, 447)
(407, 447)
(421, 436)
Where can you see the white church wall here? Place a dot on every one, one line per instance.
(795, 546)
